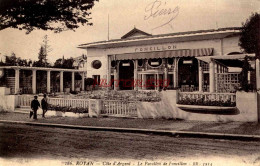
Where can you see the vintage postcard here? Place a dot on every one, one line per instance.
(130, 83)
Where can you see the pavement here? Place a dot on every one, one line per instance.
(244, 131)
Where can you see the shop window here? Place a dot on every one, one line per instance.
(96, 64)
(205, 66)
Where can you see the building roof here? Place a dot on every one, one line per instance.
(135, 31)
(40, 68)
(211, 33)
(228, 60)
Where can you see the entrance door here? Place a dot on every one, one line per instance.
(126, 75)
(150, 82)
(188, 75)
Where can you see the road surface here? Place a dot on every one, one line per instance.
(30, 142)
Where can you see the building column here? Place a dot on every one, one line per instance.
(34, 81)
(83, 81)
(48, 81)
(117, 76)
(157, 81)
(116, 83)
(109, 71)
(73, 81)
(212, 76)
(115, 79)
(135, 75)
(144, 81)
(257, 68)
(200, 79)
(175, 73)
(140, 81)
(257, 73)
(165, 77)
(61, 81)
(17, 81)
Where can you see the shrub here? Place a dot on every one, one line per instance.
(68, 109)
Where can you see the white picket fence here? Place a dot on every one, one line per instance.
(82, 103)
(25, 100)
(119, 107)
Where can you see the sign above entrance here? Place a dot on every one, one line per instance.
(155, 48)
(126, 64)
(166, 54)
(187, 62)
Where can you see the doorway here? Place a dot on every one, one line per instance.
(126, 75)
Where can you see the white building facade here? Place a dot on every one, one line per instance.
(139, 50)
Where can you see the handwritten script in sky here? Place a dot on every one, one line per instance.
(158, 10)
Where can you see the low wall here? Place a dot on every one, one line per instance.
(166, 108)
(258, 106)
(4, 91)
(8, 102)
(247, 106)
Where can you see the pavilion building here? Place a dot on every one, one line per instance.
(192, 61)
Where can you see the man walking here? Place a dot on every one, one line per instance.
(34, 106)
(44, 104)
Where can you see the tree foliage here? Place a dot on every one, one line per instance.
(64, 63)
(56, 15)
(42, 60)
(250, 34)
(244, 75)
(42, 55)
(12, 60)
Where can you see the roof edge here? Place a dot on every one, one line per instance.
(163, 35)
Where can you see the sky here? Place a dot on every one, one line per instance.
(151, 16)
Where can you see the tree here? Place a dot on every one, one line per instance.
(58, 63)
(46, 47)
(42, 55)
(41, 59)
(11, 60)
(68, 63)
(56, 15)
(250, 35)
(244, 75)
(64, 63)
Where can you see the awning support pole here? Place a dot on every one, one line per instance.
(212, 76)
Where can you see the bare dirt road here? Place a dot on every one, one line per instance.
(20, 143)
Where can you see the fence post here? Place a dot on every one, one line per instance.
(257, 67)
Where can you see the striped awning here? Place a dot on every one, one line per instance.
(166, 54)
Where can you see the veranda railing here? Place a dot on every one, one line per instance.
(221, 97)
(227, 82)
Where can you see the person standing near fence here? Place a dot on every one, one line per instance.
(44, 104)
(34, 106)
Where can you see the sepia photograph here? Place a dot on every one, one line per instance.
(130, 83)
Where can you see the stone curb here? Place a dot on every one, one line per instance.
(145, 131)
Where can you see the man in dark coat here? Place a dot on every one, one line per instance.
(34, 106)
(44, 104)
